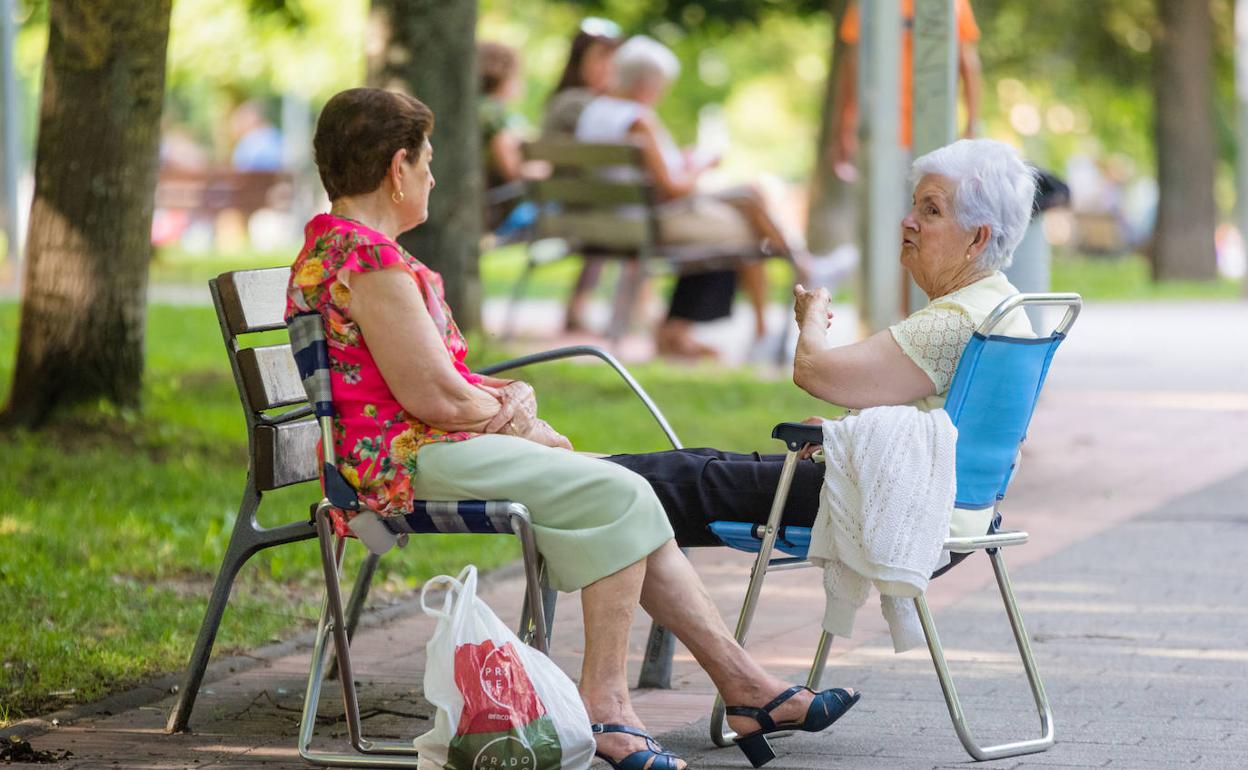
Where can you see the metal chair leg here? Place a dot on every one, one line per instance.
(528, 629)
(954, 704)
(355, 605)
(534, 592)
(820, 662)
(720, 734)
(369, 753)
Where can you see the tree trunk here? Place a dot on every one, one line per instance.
(89, 243)
(427, 48)
(833, 203)
(1186, 216)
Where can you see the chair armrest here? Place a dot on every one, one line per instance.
(996, 540)
(796, 435)
(575, 351)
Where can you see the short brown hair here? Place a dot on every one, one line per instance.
(360, 130)
(495, 63)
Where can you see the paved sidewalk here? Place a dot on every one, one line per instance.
(1135, 489)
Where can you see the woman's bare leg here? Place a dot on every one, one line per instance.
(753, 279)
(591, 270)
(753, 205)
(608, 606)
(673, 594)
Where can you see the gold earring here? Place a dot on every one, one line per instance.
(397, 196)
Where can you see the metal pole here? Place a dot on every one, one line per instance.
(10, 161)
(934, 87)
(1241, 127)
(878, 103)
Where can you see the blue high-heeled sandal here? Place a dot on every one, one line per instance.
(827, 707)
(663, 759)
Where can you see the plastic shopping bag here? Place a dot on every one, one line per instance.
(501, 705)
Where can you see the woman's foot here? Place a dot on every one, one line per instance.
(793, 710)
(616, 745)
(650, 755)
(675, 340)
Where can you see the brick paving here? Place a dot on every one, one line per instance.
(1135, 489)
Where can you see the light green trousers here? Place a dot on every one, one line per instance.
(591, 518)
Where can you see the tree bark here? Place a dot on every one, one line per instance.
(833, 203)
(1183, 80)
(427, 48)
(89, 243)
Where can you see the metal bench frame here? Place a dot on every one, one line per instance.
(796, 436)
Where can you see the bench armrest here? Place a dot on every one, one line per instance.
(796, 435)
(575, 351)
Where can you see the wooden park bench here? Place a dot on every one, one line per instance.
(587, 204)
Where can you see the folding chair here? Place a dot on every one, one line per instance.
(380, 533)
(991, 400)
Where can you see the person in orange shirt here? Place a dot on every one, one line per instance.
(846, 92)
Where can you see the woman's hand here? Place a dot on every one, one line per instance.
(516, 400)
(517, 416)
(809, 450)
(812, 308)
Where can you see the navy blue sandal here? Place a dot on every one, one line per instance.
(663, 759)
(827, 707)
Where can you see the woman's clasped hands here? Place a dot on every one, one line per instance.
(517, 416)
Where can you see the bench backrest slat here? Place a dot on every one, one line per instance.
(597, 229)
(569, 154)
(286, 454)
(587, 191)
(270, 376)
(254, 300)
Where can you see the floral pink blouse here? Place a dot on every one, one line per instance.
(375, 440)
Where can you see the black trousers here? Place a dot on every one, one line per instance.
(699, 486)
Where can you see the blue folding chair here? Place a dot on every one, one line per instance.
(991, 400)
(381, 533)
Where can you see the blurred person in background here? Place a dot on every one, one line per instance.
(735, 218)
(498, 67)
(969, 72)
(257, 142)
(587, 73)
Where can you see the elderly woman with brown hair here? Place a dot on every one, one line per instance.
(414, 422)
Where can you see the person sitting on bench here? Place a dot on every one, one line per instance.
(415, 423)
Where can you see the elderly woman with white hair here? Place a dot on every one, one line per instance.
(971, 203)
(735, 218)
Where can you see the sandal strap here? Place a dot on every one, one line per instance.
(599, 728)
(663, 759)
(763, 715)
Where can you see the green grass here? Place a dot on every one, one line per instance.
(112, 524)
(1127, 278)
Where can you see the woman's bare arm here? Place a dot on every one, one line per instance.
(405, 343)
(671, 183)
(873, 372)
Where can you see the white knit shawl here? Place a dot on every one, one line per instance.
(884, 513)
